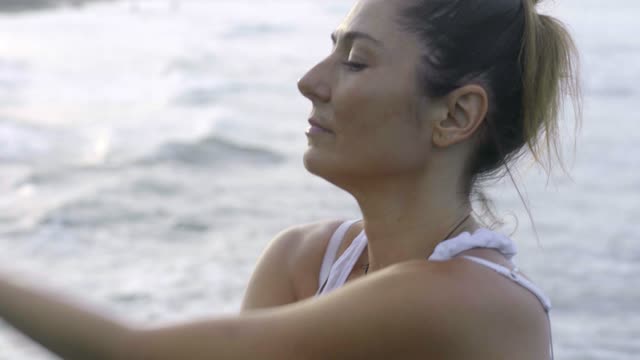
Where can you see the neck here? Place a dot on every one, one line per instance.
(404, 222)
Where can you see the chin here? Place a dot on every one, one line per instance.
(316, 163)
(328, 168)
(319, 163)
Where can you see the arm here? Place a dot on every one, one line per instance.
(69, 330)
(378, 317)
(391, 314)
(388, 315)
(74, 331)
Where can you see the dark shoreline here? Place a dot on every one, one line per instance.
(19, 6)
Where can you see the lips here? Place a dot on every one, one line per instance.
(315, 122)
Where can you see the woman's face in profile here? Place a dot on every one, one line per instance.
(366, 92)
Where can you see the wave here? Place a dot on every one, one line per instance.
(39, 144)
(210, 94)
(13, 77)
(22, 143)
(202, 96)
(209, 151)
(94, 212)
(255, 30)
(15, 6)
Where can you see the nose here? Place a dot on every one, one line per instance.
(314, 86)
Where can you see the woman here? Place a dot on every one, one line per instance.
(418, 101)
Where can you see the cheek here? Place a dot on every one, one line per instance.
(367, 104)
(376, 120)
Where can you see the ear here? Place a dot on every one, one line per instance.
(467, 108)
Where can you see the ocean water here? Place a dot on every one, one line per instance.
(149, 150)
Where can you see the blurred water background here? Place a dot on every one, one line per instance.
(149, 150)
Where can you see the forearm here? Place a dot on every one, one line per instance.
(70, 330)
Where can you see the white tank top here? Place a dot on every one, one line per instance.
(334, 274)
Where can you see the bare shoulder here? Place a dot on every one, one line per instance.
(416, 309)
(489, 316)
(287, 260)
(315, 236)
(307, 259)
(478, 304)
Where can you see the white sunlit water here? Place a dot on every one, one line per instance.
(149, 150)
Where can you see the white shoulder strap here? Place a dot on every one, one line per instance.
(515, 276)
(332, 250)
(524, 282)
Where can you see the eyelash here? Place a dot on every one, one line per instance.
(354, 66)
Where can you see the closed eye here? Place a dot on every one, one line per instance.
(354, 66)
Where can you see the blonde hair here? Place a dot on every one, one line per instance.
(550, 77)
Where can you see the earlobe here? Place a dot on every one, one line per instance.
(441, 122)
(441, 139)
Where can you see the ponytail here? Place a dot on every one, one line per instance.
(549, 62)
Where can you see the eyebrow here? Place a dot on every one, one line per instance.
(351, 36)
